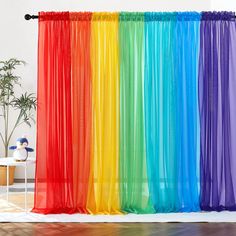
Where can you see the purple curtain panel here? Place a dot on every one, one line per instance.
(217, 110)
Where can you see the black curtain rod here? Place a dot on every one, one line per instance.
(29, 17)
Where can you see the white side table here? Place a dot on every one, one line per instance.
(9, 161)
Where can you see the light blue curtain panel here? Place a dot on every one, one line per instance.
(171, 110)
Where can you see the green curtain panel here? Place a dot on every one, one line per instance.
(134, 196)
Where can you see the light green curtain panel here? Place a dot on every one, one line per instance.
(134, 196)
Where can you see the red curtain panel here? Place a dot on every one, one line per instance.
(54, 169)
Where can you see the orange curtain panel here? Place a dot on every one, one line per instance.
(81, 105)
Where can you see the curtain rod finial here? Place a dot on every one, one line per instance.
(28, 16)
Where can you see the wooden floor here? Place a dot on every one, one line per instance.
(119, 229)
(16, 204)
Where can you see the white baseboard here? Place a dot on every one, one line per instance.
(224, 216)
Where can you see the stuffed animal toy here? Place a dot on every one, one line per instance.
(21, 149)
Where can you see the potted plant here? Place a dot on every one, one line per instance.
(23, 106)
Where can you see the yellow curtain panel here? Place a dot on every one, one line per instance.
(105, 126)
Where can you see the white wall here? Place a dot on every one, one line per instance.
(18, 37)
(223, 5)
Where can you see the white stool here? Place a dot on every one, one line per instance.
(9, 161)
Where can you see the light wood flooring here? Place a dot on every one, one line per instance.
(119, 229)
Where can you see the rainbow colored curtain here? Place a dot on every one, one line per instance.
(136, 112)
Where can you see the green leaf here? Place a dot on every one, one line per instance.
(25, 104)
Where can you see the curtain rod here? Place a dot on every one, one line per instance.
(29, 17)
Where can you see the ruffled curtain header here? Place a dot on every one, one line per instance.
(136, 16)
(218, 15)
(81, 16)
